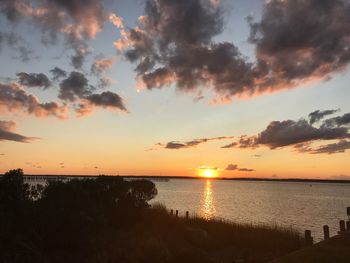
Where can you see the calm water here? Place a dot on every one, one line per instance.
(300, 205)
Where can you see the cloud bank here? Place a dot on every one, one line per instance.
(296, 41)
(300, 134)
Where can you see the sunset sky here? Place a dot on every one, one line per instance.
(250, 88)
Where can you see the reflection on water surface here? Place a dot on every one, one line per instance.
(208, 207)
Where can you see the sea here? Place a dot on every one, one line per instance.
(300, 205)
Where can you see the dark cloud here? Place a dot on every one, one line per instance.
(231, 167)
(58, 73)
(318, 115)
(173, 43)
(181, 145)
(230, 145)
(338, 147)
(338, 121)
(284, 133)
(14, 98)
(246, 170)
(34, 80)
(107, 99)
(74, 86)
(300, 134)
(7, 133)
(300, 40)
(234, 167)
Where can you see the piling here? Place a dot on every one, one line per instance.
(171, 212)
(326, 232)
(177, 213)
(342, 226)
(348, 211)
(308, 238)
(187, 214)
(348, 226)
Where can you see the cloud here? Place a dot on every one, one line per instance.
(173, 43)
(338, 121)
(246, 170)
(58, 73)
(302, 40)
(74, 86)
(78, 20)
(173, 145)
(338, 147)
(34, 80)
(317, 115)
(7, 133)
(107, 99)
(77, 60)
(100, 66)
(234, 167)
(296, 41)
(76, 89)
(299, 134)
(116, 20)
(14, 98)
(231, 167)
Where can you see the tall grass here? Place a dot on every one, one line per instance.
(219, 239)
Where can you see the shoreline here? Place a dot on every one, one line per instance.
(161, 178)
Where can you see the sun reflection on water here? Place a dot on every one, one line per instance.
(208, 207)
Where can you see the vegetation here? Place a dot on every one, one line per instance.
(335, 249)
(108, 220)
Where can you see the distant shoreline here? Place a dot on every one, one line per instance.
(253, 179)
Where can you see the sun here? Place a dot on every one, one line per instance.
(208, 172)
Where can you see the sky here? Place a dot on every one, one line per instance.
(168, 87)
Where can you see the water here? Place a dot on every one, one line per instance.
(300, 205)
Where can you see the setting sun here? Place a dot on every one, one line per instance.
(208, 172)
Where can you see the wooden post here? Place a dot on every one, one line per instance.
(348, 211)
(342, 226)
(171, 212)
(308, 238)
(177, 213)
(348, 226)
(187, 214)
(326, 232)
